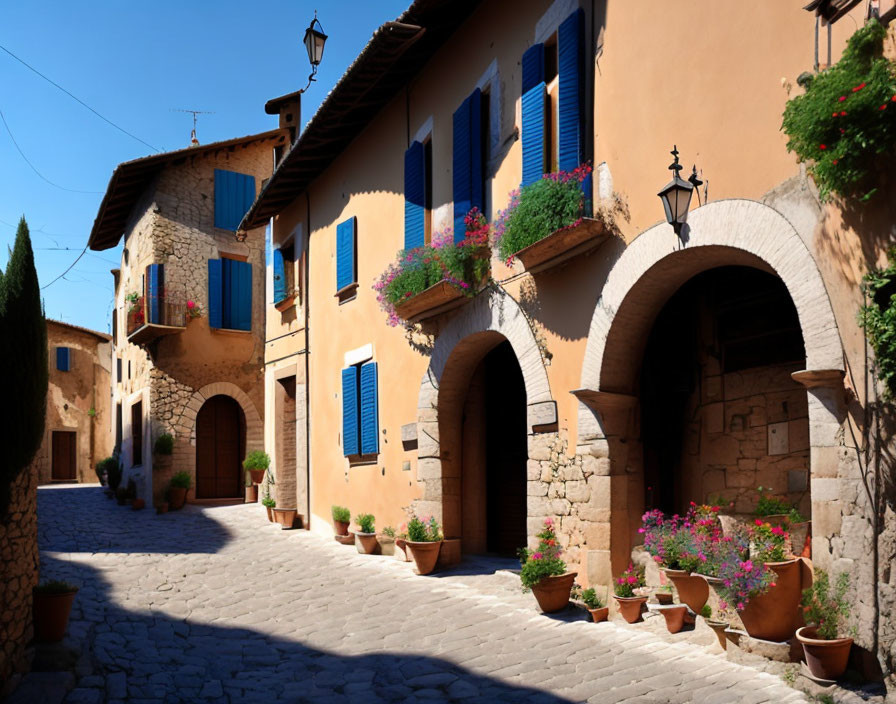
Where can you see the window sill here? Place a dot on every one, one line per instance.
(347, 293)
(232, 331)
(286, 304)
(362, 460)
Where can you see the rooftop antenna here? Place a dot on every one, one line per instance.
(193, 141)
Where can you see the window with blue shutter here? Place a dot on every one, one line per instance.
(229, 294)
(63, 359)
(414, 196)
(533, 133)
(468, 161)
(234, 195)
(155, 281)
(279, 276)
(370, 426)
(533, 66)
(346, 269)
(571, 70)
(350, 434)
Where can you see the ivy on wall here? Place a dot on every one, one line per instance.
(846, 118)
(878, 318)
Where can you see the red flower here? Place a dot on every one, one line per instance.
(843, 113)
(859, 87)
(822, 146)
(835, 114)
(758, 522)
(883, 107)
(834, 162)
(893, 99)
(842, 98)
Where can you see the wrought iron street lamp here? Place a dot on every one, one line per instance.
(314, 44)
(676, 196)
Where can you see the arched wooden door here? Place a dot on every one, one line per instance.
(220, 449)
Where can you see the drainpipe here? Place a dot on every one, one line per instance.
(307, 355)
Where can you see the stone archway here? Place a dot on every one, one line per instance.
(490, 319)
(650, 270)
(254, 425)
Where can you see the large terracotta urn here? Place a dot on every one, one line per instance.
(826, 659)
(425, 555)
(692, 588)
(630, 607)
(774, 615)
(552, 593)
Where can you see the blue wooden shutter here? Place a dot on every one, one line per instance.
(533, 134)
(570, 67)
(215, 294)
(370, 426)
(241, 295)
(279, 276)
(345, 254)
(234, 195)
(350, 411)
(414, 195)
(533, 67)
(467, 161)
(62, 359)
(154, 283)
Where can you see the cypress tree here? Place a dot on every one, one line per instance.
(23, 362)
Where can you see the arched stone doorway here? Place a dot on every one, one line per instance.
(466, 420)
(220, 448)
(655, 265)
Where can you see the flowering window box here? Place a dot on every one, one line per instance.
(563, 244)
(435, 300)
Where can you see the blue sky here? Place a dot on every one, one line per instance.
(136, 63)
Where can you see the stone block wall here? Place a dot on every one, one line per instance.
(19, 565)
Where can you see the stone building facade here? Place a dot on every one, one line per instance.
(651, 371)
(188, 324)
(78, 431)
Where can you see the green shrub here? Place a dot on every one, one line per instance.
(706, 611)
(257, 460)
(825, 607)
(114, 472)
(106, 468)
(878, 318)
(341, 514)
(424, 530)
(268, 502)
(365, 522)
(846, 119)
(539, 209)
(55, 586)
(389, 531)
(164, 444)
(769, 505)
(545, 560)
(591, 599)
(181, 480)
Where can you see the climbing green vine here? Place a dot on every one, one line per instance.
(878, 318)
(846, 118)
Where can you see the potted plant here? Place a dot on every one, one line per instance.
(251, 491)
(663, 594)
(630, 605)
(256, 463)
(164, 444)
(269, 505)
(177, 490)
(595, 605)
(51, 609)
(545, 573)
(341, 517)
(676, 616)
(386, 540)
(286, 517)
(716, 624)
(138, 504)
(365, 536)
(825, 608)
(424, 541)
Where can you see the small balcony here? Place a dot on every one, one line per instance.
(151, 317)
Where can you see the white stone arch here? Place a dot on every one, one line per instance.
(488, 320)
(649, 271)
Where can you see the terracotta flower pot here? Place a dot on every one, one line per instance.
(826, 659)
(630, 607)
(177, 497)
(718, 628)
(270, 513)
(257, 475)
(402, 545)
(676, 617)
(552, 593)
(345, 539)
(773, 615)
(801, 539)
(387, 545)
(138, 504)
(599, 614)
(341, 527)
(162, 507)
(367, 543)
(692, 588)
(51, 612)
(425, 555)
(286, 517)
(251, 494)
(663, 598)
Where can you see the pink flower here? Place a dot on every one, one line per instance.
(740, 606)
(537, 556)
(842, 98)
(191, 305)
(632, 580)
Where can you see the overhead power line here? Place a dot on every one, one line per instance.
(77, 99)
(71, 266)
(33, 167)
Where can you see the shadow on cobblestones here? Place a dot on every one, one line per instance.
(149, 656)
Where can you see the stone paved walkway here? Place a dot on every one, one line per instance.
(218, 605)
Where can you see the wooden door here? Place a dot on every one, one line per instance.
(219, 449)
(65, 446)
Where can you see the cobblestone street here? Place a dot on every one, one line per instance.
(217, 604)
